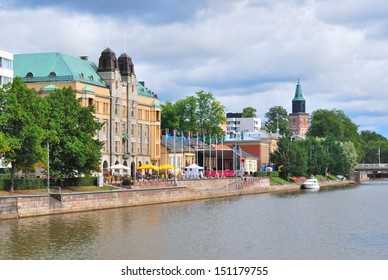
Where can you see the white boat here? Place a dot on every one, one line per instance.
(310, 184)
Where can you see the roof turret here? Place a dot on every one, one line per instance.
(107, 61)
(126, 65)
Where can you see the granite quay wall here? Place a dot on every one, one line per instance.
(27, 206)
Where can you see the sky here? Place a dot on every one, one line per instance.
(248, 53)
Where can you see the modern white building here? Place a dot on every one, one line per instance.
(6, 67)
(236, 123)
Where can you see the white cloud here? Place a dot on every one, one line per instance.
(248, 53)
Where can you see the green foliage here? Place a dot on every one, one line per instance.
(277, 117)
(75, 182)
(335, 124)
(71, 130)
(21, 118)
(260, 174)
(372, 143)
(313, 156)
(127, 182)
(4, 146)
(201, 114)
(23, 184)
(169, 117)
(249, 112)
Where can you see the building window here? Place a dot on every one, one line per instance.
(5, 63)
(29, 75)
(52, 74)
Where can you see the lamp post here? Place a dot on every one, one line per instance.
(235, 158)
(48, 167)
(175, 181)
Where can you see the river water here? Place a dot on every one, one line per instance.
(330, 224)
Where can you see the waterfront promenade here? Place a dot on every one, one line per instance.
(141, 193)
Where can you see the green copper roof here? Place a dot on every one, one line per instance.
(298, 93)
(88, 89)
(55, 67)
(49, 88)
(142, 90)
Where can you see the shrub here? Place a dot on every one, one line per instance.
(260, 174)
(126, 182)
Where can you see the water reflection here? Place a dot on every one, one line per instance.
(332, 223)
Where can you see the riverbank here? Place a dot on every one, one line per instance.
(142, 193)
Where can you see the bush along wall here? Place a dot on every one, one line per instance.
(22, 184)
(32, 183)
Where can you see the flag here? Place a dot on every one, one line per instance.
(204, 138)
(184, 138)
(210, 139)
(216, 139)
(188, 135)
(167, 135)
(198, 138)
(176, 138)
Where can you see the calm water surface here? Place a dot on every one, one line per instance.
(332, 223)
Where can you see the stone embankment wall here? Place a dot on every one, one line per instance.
(27, 206)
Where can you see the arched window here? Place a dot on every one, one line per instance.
(29, 75)
(52, 74)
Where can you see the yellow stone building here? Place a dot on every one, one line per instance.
(129, 112)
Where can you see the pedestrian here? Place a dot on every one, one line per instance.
(245, 180)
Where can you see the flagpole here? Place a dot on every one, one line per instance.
(189, 146)
(196, 159)
(216, 156)
(182, 165)
(166, 152)
(222, 154)
(175, 182)
(203, 152)
(210, 155)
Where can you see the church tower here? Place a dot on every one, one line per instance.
(299, 119)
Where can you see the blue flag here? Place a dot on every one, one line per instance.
(210, 139)
(167, 135)
(204, 138)
(198, 138)
(216, 139)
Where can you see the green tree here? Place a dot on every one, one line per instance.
(201, 114)
(71, 132)
(291, 156)
(337, 161)
(169, 116)
(336, 124)
(249, 112)
(277, 117)
(372, 143)
(210, 114)
(3, 143)
(22, 113)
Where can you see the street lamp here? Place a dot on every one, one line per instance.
(48, 167)
(235, 165)
(173, 141)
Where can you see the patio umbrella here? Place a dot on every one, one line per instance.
(147, 166)
(118, 166)
(167, 166)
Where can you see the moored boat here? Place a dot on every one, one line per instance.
(310, 184)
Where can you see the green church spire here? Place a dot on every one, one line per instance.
(298, 93)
